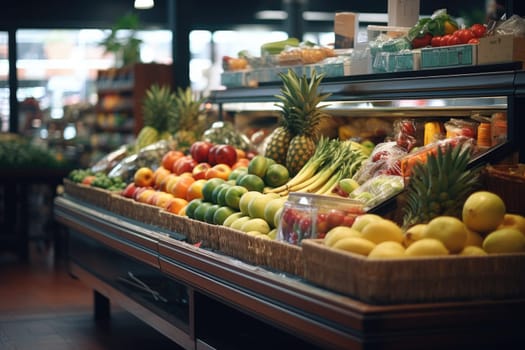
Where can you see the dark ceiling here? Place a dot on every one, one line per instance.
(200, 14)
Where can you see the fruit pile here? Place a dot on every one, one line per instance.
(485, 228)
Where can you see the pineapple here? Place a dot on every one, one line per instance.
(158, 108)
(188, 122)
(293, 143)
(440, 186)
(300, 121)
(278, 144)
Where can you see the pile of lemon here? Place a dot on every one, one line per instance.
(485, 228)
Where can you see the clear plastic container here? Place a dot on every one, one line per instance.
(308, 215)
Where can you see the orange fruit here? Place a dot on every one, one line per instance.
(195, 190)
(181, 186)
(176, 205)
(240, 153)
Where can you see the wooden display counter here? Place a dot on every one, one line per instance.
(203, 299)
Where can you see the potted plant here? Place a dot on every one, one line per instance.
(125, 47)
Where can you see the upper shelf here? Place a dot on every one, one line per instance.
(476, 81)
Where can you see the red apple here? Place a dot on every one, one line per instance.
(199, 151)
(199, 171)
(211, 154)
(129, 190)
(183, 165)
(226, 154)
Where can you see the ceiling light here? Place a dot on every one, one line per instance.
(144, 4)
(271, 15)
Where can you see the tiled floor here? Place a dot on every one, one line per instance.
(42, 307)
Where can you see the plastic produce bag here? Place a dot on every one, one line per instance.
(110, 160)
(149, 156)
(378, 189)
(222, 132)
(385, 159)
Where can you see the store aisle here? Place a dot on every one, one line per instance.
(42, 307)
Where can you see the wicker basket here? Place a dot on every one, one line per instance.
(508, 181)
(146, 213)
(93, 195)
(123, 206)
(415, 280)
(173, 222)
(278, 256)
(198, 231)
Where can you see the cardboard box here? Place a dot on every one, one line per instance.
(403, 13)
(345, 29)
(501, 48)
(448, 56)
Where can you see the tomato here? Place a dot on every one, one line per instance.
(444, 39)
(464, 35)
(334, 218)
(478, 30)
(422, 41)
(454, 40)
(473, 41)
(436, 41)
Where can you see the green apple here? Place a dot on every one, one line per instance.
(246, 199)
(348, 185)
(230, 219)
(237, 224)
(272, 234)
(271, 208)
(221, 197)
(258, 165)
(237, 172)
(210, 212)
(259, 225)
(209, 187)
(192, 205)
(217, 190)
(233, 196)
(200, 211)
(222, 214)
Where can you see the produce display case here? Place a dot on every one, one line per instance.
(277, 307)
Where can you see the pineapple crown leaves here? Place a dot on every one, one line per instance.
(158, 107)
(188, 107)
(299, 102)
(441, 185)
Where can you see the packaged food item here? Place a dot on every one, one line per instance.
(499, 128)
(405, 133)
(461, 127)
(308, 215)
(433, 132)
(408, 162)
(484, 132)
(385, 159)
(378, 189)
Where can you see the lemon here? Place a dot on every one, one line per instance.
(505, 240)
(387, 250)
(449, 230)
(339, 232)
(414, 233)
(363, 220)
(483, 211)
(471, 250)
(426, 247)
(473, 239)
(355, 245)
(381, 231)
